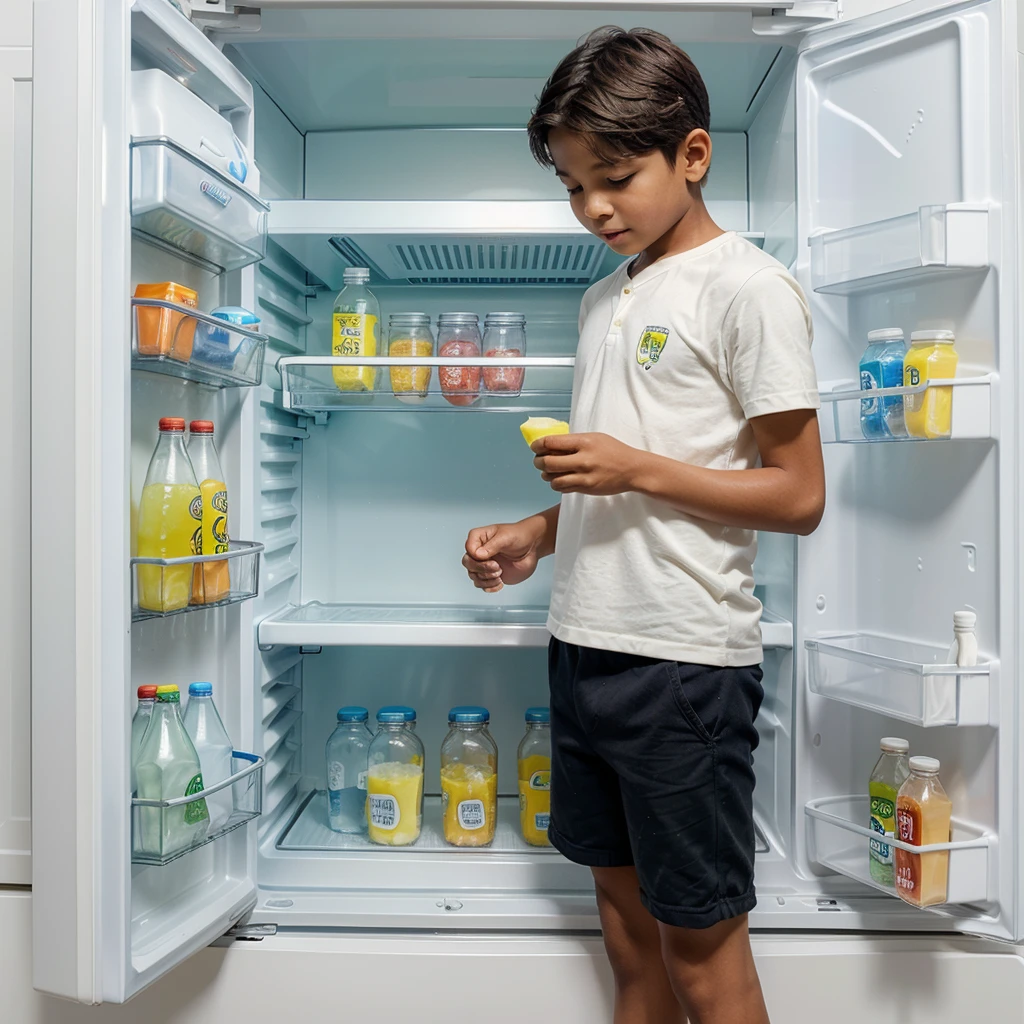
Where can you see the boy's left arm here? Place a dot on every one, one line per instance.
(785, 494)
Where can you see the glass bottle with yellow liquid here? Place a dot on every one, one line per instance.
(394, 782)
(469, 778)
(211, 581)
(534, 757)
(170, 522)
(932, 356)
(355, 331)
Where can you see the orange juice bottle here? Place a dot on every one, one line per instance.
(534, 759)
(170, 522)
(923, 813)
(469, 778)
(211, 581)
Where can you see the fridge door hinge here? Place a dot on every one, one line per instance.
(804, 14)
(222, 16)
(251, 932)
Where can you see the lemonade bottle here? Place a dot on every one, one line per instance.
(929, 413)
(534, 759)
(355, 331)
(211, 581)
(170, 521)
(394, 782)
(888, 775)
(469, 778)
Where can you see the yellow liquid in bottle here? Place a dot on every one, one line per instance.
(394, 798)
(535, 798)
(211, 581)
(354, 334)
(170, 518)
(469, 804)
(930, 413)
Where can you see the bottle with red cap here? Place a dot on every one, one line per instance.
(140, 722)
(211, 581)
(170, 521)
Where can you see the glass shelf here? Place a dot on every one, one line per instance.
(898, 678)
(931, 241)
(171, 586)
(181, 342)
(838, 839)
(183, 205)
(307, 385)
(155, 821)
(972, 406)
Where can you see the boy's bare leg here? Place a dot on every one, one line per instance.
(643, 992)
(712, 972)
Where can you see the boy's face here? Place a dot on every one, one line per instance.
(635, 201)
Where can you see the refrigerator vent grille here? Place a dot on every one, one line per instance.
(553, 259)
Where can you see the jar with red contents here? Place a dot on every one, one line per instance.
(458, 335)
(504, 338)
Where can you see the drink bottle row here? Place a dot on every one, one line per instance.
(375, 781)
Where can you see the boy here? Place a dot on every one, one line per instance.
(693, 425)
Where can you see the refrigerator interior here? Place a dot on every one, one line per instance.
(364, 511)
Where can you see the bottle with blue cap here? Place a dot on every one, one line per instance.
(213, 745)
(394, 782)
(534, 758)
(469, 778)
(348, 751)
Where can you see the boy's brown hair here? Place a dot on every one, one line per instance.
(627, 92)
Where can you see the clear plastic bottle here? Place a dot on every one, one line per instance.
(890, 772)
(168, 768)
(504, 337)
(923, 817)
(469, 778)
(881, 366)
(355, 331)
(170, 521)
(394, 782)
(534, 763)
(140, 723)
(348, 753)
(211, 581)
(458, 335)
(206, 730)
(932, 356)
(409, 335)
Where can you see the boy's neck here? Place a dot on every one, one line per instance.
(694, 228)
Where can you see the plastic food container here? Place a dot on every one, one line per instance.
(158, 333)
(220, 347)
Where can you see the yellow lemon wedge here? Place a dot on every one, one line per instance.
(541, 426)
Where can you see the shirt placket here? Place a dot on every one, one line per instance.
(622, 303)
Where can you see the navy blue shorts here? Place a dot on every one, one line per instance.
(652, 766)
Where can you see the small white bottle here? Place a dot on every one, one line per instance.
(963, 652)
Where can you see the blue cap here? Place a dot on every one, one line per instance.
(392, 715)
(469, 714)
(408, 714)
(352, 713)
(538, 714)
(200, 690)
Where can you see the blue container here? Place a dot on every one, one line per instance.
(216, 347)
(881, 366)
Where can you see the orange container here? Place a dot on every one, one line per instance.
(163, 332)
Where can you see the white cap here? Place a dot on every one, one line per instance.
(941, 337)
(924, 765)
(895, 745)
(886, 334)
(964, 620)
(356, 274)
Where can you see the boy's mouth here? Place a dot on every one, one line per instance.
(613, 236)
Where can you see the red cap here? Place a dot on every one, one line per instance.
(147, 693)
(173, 423)
(200, 427)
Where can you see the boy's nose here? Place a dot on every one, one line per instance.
(597, 207)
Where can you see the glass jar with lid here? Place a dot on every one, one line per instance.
(458, 335)
(348, 750)
(394, 782)
(534, 763)
(409, 335)
(469, 778)
(504, 338)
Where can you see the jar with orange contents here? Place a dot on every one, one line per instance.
(409, 335)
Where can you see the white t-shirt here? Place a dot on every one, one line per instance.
(676, 361)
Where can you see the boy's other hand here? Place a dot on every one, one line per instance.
(505, 553)
(586, 463)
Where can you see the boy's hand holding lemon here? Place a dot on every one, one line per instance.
(593, 464)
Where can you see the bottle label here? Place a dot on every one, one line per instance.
(868, 382)
(908, 865)
(384, 811)
(540, 780)
(335, 775)
(471, 814)
(883, 821)
(541, 822)
(196, 811)
(354, 335)
(361, 784)
(218, 523)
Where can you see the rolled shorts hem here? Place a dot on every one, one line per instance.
(587, 856)
(701, 917)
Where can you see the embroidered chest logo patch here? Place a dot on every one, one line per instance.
(651, 345)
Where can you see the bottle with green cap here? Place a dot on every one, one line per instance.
(348, 749)
(534, 758)
(168, 768)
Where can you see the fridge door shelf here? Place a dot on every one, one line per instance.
(162, 587)
(150, 817)
(307, 384)
(972, 410)
(916, 246)
(217, 353)
(901, 679)
(838, 840)
(181, 204)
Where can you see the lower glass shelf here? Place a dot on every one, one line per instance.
(172, 586)
(838, 839)
(163, 830)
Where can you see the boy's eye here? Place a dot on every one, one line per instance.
(574, 190)
(620, 182)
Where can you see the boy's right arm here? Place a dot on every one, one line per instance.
(508, 553)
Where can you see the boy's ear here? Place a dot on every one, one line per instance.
(694, 155)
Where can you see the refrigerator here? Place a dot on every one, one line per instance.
(877, 157)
